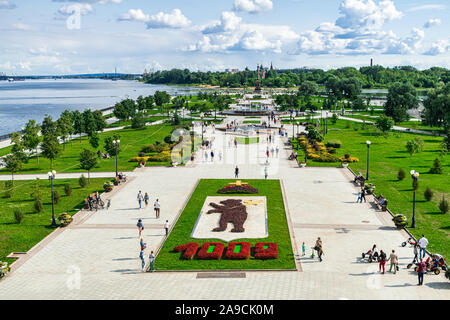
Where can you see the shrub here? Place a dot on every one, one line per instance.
(148, 149)
(141, 154)
(139, 159)
(67, 189)
(331, 150)
(437, 167)
(401, 174)
(347, 156)
(168, 139)
(161, 157)
(347, 125)
(443, 205)
(82, 181)
(334, 143)
(349, 159)
(9, 189)
(56, 197)
(428, 194)
(326, 157)
(18, 215)
(38, 205)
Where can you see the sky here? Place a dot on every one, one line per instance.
(52, 37)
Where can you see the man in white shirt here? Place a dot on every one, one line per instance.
(166, 226)
(151, 259)
(423, 242)
(157, 208)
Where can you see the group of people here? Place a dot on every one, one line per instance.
(145, 198)
(103, 155)
(120, 178)
(318, 247)
(382, 259)
(92, 200)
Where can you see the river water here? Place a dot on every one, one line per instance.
(21, 101)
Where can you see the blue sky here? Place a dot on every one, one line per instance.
(87, 36)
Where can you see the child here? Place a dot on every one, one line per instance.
(303, 249)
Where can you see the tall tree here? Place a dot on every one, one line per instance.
(90, 125)
(401, 97)
(64, 125)
(120, 112)
(100, 122)
(50, 148)
(78, 123)
(88, 160)
(31, 137)
(306, 90)
(437, 106)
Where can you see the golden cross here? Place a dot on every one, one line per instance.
(251, 202)
(238, 183)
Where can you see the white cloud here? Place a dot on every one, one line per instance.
(407, 45)
(252, 6)
(22, 26)
(69, 9)
(228, 22)
(5, 4)
(431, 23)
(438, 47)
(427, 7)
(174, 20)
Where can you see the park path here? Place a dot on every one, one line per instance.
(97, 256)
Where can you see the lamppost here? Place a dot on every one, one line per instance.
(51, 177)
(298, 137)
(368, 147)
(201, 116)
(116, 144)
(326, 122)
(306, 146)
(415, 177)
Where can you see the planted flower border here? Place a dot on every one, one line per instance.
(172, 257)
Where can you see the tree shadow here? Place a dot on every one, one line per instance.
(439, 285)
(435, 213)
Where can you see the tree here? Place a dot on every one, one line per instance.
(64, 126)
(120, 112)
(94, 140)
(400, 98)
(437, 106)
(437, 167)
(306, 90)
(50, 148)
(384, 124)
(109, 145)
(401, 174)
(78, 123)
(100, 122)
(412, 147)
(12, 164)
(49, 127)
(89, 122)
(161, 97)
(82, 181)
(138, 121)
(428, 194)
(149, 101)
(130, 106)
(351, 88)
(18, 147)
(88, 160)
(31, 137)
(443, 205)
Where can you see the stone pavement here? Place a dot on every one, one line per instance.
(97, 258)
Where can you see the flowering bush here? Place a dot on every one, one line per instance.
(203, 253)
(108, 186)
(241, 255)
(271, 252)
(349, 159)
(189, 250)
(238, 189)
(139, 159)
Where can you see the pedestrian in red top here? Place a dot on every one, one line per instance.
(420, 271)
(382, 260)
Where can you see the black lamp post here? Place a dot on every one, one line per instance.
(116, 145)
(368, 147)
(51, 177)
(201, 116)
(326, 122)
(306, 146)
(415, 177)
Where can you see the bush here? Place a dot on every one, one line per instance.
(141, 154)
(18, 215)
(347, 126)
(347, 156)
(9, 191)
(437, 167)
(327, 158)
(428, 194)
(56, 197)
(139, 159)
(443, 205)
(67, 189)
(38, 206)
(334, 143)
(401, 174)
(161, 157)
(331, 150)
(168, 139)
(82, 181)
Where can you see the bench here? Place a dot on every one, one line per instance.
(381, 202)
(360, 180)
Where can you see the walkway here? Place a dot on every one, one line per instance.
(97, 256)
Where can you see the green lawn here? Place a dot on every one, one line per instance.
(387, 156)
(5, 151)
(35, 226)
(251, 121)
(131, 142)
(125, 123)
(247, 140)
(278, 231)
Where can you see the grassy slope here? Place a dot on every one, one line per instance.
(35, 226)
(387, 156)
(278, 231)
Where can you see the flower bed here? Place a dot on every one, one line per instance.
(108, 186)
(189, 250)
(203, 253)
(238, 189)
(271, 252)
(241, 255)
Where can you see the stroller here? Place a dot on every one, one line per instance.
(370, 256)
(433, 264)
(410, 241)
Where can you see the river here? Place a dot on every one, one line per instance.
(21, 101)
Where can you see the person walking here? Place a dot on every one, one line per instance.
(277, 150)
(359, 197)
(151, 260)
(206, 156)
(416, 253)
(212, 155)
(267, 153)
(140, 197)
(303, 249)
(220, 155)
(423, 242)
(157, 207)
(363, 195)
(146, 199)
(319, 248)
(266, 172)
(141, 256)
(394, 262)
(236, 172)
(272, 150)
(140, 226)
(420, 272)
(382, 261)
(166, 226)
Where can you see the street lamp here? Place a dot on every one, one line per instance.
(368, 147)
(201, 116)
(51, 177)
(306, 146)
(116, 144)
(415, 177)
(298, 137)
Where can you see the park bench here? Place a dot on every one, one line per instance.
(360, 180)
(381, 202)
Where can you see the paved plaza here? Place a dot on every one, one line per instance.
(96, 257)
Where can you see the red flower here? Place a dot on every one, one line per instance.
(243, 254)
(189, 250)
(266, 253)
(203, 253)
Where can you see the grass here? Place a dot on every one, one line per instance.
(35, 226)
(251, 121)
(278, 231)
(387, 156)
(247, 140)
(125, 123)
(131, 142)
